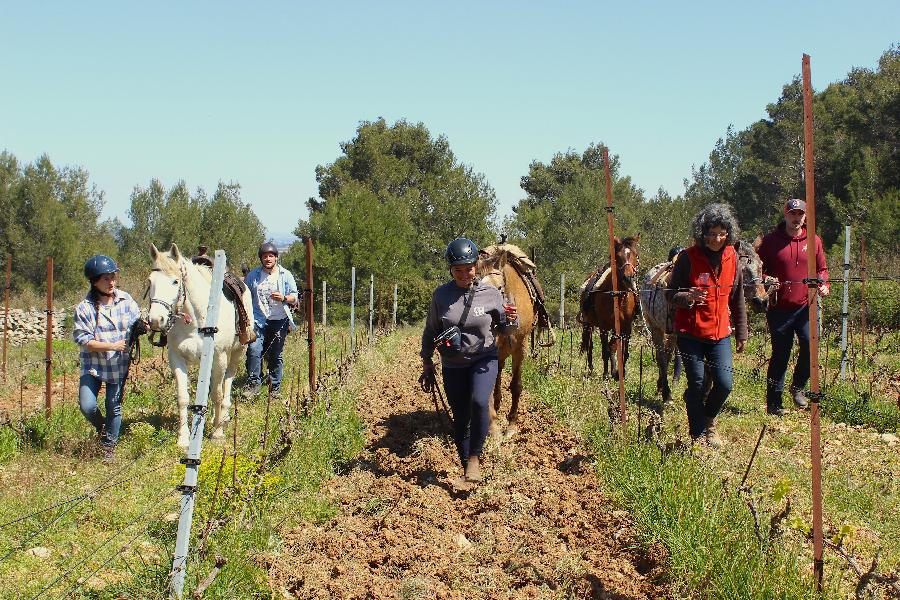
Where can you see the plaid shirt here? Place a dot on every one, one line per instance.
(114, 322)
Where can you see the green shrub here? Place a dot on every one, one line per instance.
(9, 444)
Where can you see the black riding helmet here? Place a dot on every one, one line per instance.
(267, 247)
(99, 265)
(674, 252)
(461, 251)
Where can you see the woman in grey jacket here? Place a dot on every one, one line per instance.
(468, 354)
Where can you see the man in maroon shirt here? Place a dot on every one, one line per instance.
(784, 256)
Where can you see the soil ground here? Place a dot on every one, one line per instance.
(537, 527)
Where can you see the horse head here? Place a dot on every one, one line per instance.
(166, 288)
(490, 269)
(755, 285)
(627, 260)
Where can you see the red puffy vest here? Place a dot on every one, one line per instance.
(711, 321)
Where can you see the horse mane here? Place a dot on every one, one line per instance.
(169, 266)
(631, 241)
(487, 263)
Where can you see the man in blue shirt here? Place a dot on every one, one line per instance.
(274, 290)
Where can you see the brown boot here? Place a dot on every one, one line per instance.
(712, 436)
(473, 469)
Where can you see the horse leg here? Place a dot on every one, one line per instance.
(663, 348)
(587, 345)
(498, 397)
(216, 385)
(605, 348)
(180, 370)
(231, 369)
(515, 388)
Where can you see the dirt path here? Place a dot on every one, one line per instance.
(536, 528)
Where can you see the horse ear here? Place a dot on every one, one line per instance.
(757, 243)
(154, 252)
(174, 252)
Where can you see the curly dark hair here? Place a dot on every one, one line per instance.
(715, 215)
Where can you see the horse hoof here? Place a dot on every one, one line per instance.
(218, 434)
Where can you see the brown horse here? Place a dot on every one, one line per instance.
(597, 305)
(495, 270)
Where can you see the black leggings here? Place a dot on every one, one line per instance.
(469, 392)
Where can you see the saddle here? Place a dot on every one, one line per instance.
(525, 267)
(233, 287)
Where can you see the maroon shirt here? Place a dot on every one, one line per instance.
(785, 258)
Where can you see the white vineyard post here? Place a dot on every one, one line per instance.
(352, 311)
(324, 303)
(845, 307)
(371, 303)
(198, 419)
(562, 300)
(394, 319)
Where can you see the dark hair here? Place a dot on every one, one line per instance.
(715, 215)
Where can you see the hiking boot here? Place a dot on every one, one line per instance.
(275, 393)
(800, 399)
(778, 412)
(108, 452)
(250, 391)
(473, 469)
(712, 436)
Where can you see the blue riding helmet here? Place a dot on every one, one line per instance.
(99, 265)
(461, 251)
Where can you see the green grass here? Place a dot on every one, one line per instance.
(52, 461)
(689, 501)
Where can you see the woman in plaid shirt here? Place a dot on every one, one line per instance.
(101, 325)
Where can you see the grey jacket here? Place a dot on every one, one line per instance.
(486, 316)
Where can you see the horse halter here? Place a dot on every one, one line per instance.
(171, 307)
(626, 263)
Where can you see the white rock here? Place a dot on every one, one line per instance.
(462, 542)
(889, 438)
(40, 552)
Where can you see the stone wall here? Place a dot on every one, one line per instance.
(31, 324)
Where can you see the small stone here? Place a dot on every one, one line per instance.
(462, 542)
(170, 517)
(889, 438)
(40, 552)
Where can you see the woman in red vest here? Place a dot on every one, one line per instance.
(706, 288)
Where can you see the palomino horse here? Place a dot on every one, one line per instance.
(597, 308)
(179, 297)
(659, 315)
(495, 270)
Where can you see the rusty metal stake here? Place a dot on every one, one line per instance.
(812, 291)
(862, 296)
(6, 314)
(48, 345)
(613, 271)
(311, 324)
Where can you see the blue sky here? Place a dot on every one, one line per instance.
(262, 93)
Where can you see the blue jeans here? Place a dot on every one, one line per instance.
(468, 392)
(783, 326)
(704, 359)
(269, 343)
(88, 390)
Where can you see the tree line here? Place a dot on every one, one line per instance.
(396, 194)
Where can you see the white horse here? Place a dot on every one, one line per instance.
(179, 297)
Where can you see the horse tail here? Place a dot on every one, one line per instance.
(585, 338)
